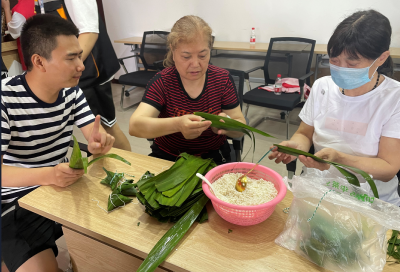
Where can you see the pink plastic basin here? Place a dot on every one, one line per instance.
(245, 215)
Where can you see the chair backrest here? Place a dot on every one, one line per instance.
(288, 56)
(153, 48)
(238, 78)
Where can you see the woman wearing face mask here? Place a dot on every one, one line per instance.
(188, 84)
(353, 116)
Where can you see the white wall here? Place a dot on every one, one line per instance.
(231, 20)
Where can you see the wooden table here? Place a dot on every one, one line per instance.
(320, 49)
(98, 241)
(9, 53)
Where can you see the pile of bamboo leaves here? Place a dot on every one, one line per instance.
(174, 195)
(170, 194)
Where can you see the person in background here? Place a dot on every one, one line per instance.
(16, 18)
(38, 111)
(100, 60)
(188, 84)
(352, 117)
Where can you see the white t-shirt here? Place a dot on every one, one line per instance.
(84, 15)
(354, 125)
(15, 25)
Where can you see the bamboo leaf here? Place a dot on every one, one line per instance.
(297, 152)
(189, 175)
(76, 156)
(78, 162)
(173, 191)
(365, 176)
(393, 245)
(180, 174)
(229, 124)
(115, 200)
(152, 201)
(112, 179)
(190, 186)
(107, 180)
(351, 178)
(161, 175)
(172, 237)
(112, 156)
(127, 189)
(85, 163)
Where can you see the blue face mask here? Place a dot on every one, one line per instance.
(350, 78)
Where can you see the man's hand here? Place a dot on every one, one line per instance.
(192, 126)
(99, 142)
(327, 154)
(220, 131)
(282, 157)
(63, 175)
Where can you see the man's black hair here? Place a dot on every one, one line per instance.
(39, 35)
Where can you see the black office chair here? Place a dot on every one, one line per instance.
(237, 143)
(290, 57)
(152, 51)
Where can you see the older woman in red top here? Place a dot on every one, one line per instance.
(188, 84)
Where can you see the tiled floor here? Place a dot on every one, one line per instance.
(142, 146)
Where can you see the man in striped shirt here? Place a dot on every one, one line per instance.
(38, 112)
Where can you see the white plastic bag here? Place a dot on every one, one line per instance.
(337, 225)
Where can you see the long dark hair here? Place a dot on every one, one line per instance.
(364, 33)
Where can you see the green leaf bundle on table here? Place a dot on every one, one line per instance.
(174, 195)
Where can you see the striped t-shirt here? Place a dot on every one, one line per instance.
(166, 93)
(34, 133)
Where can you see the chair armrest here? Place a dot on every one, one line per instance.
(306, 75)
(121, 61)
(246, 73)
(237, 143)
(159, 65)
(128, 57)
(301, 82)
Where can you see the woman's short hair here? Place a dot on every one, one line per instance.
(186, 30)
(39, 35)
(364, 33)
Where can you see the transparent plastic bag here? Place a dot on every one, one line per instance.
(345, 231)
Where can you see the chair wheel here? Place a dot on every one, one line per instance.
(127, 94)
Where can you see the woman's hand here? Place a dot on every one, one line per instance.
(282, 157)
(192, 126)
(327, 154)
(220, 131)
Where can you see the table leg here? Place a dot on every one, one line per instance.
(88, 255)
(318, 58)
